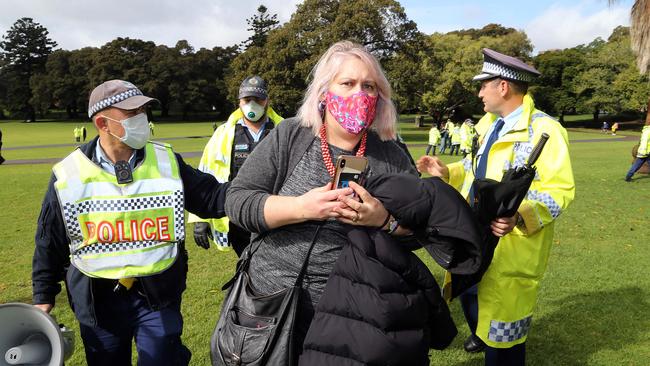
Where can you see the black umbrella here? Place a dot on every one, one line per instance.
(493, 199)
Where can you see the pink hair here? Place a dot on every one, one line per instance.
(326, 70)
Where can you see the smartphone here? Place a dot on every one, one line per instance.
(350, 169)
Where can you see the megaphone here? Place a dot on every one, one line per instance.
(29, 336)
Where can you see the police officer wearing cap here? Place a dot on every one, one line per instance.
(226, 152)
(499, 309)
(112, 227)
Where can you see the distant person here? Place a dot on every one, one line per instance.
(112, 227)
(605, 127)
(214, 126)
(499, 310)
(455, 140)
(2, 160)
(84, 133)
(151, 126)
(467, 133)
(445, 136)
(434, 139)
(77, 134)
(226, 152)
(614, 128)
(642, 154)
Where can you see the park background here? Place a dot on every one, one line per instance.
(594, 298)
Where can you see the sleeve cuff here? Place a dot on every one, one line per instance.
(43, 299)
(192, 218)
(532, 223)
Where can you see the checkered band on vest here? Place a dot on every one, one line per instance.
(71, 212)
(506, 72)
(98, 248)
(107, 102)
(509, 331)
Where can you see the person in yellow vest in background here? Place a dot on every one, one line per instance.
(642, 154)
(455, 140)
(112, 226)
(614, 128)
(499, 310)
(467, 133)
(151, 126)
(434, 138)
(225, 153)
(77, 134)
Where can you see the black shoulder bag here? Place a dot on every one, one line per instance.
(256, 329)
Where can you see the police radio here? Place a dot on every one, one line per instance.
(123, 172)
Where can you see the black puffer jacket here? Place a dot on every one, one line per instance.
(381, 305)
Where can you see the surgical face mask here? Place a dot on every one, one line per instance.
(354, 113)
(136, 130)
(253, 111)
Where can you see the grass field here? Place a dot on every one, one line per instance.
(594, 299)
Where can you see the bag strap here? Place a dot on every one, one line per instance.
(305, 262)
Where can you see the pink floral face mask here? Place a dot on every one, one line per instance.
(354, 113)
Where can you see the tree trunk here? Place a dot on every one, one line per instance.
(595, 120)
(164, 110)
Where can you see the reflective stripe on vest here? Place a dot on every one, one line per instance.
(122, 230)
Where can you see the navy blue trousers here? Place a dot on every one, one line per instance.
(636, 165)
(126, 316)
(513, 356)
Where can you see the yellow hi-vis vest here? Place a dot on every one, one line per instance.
(466, 137)
(434, 136)
(122, 230)
(508, 290)
(644, 143)
(216, 160)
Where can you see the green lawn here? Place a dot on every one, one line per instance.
(594, 299)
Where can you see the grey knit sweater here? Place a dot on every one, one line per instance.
(289, 162)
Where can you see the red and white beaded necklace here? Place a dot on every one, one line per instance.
(325, 150)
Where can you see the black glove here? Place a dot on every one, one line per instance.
(202, 234)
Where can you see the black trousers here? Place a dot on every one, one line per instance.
(513, 356)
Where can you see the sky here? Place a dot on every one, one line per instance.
(73, 24)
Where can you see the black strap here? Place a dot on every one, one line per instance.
(305, 262)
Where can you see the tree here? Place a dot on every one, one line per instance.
(260, 24)
(449, 62)
(292, 50)
(25, 48)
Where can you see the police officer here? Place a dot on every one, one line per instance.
(226, 152)
(642, 154)
(499, 309)
(112, 226)
(84, 133)
(434, 138)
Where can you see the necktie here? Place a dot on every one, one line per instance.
(481, 168)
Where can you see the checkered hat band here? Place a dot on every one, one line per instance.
(506, 72)
(253, 89)
(504, 332)
(107, 102)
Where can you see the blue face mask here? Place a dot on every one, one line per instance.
(136, 130)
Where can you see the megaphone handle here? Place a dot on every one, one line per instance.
(537, 150)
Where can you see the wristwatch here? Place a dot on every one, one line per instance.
(392, 225)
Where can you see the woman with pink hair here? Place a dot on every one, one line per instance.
(283, 192)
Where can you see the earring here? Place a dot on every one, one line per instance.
(321, 106)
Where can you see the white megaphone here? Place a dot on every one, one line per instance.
(29, 336)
